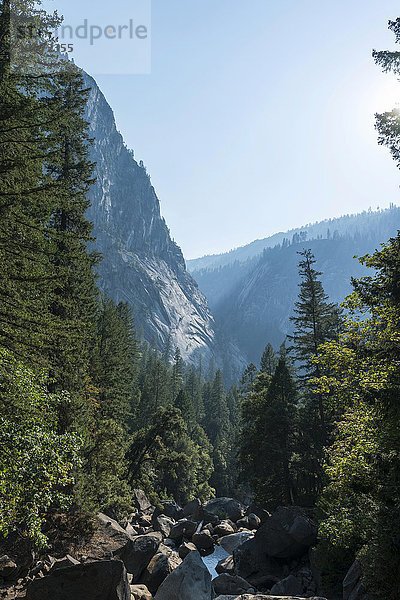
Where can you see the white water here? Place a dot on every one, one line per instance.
(213, 559)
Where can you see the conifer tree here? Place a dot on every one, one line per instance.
(193, 387)
(114, 364)
(248, 378)
(155, 386)
(75, 297)
(216, 410)
(26, 279)
(267, 439)
(315, 320)
(185, 405)
(268, 360)
(361, 502)
(176, 375)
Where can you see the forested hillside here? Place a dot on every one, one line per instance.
(363, 224)
(252, 300)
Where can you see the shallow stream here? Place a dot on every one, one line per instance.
(213, 559)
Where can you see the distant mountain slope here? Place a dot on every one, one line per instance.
(141, 263)
(347, 224)
(219, 278)
(253, 300)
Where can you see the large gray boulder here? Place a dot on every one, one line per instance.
(194, 509)
(172, 510)
(231, 584)
(255, 566)
(115, 537)
(163, 524)
(226, 508)
(185, 549)
(140, 592)
(190, 581)
(103, 580)
(203, 540)
(226, 565)
(233, 541)
(141, 501)
(254, 521)
(160, 566)
(225, 528)
(185, 528)
(300, 583)
(288, 533)
(139, 552)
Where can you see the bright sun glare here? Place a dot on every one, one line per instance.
(387, 96)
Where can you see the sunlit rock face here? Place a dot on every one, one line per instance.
(141, 264)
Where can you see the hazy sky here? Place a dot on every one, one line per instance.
(258, 115)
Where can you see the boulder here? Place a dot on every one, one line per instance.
(170, 543)
(255, 566)
(254, 521)
(8, 568)
(190, 581)
(224, 528)
(130, 530)
(66, 561)
(141, 501)
(210, 518)
(231, 584)
(172, 510)
(145, 520)
(261, 513)
(290, 586)
(183, 528)
(140, 592)
(243, 523)
(288, 533)
(139, 552)
(185, 549)
(163, 524)
(226, 565)
(353, 588)
(160, 566)
(226, 508)
(102, 580)
(115, 537)
(233, 541)
(208, 528)
(203, 540)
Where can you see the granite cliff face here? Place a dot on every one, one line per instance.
(141, 264)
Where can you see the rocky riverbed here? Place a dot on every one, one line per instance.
(170, 553)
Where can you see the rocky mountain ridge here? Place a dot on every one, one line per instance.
(141, 264)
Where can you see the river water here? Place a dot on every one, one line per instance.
(213, 559)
